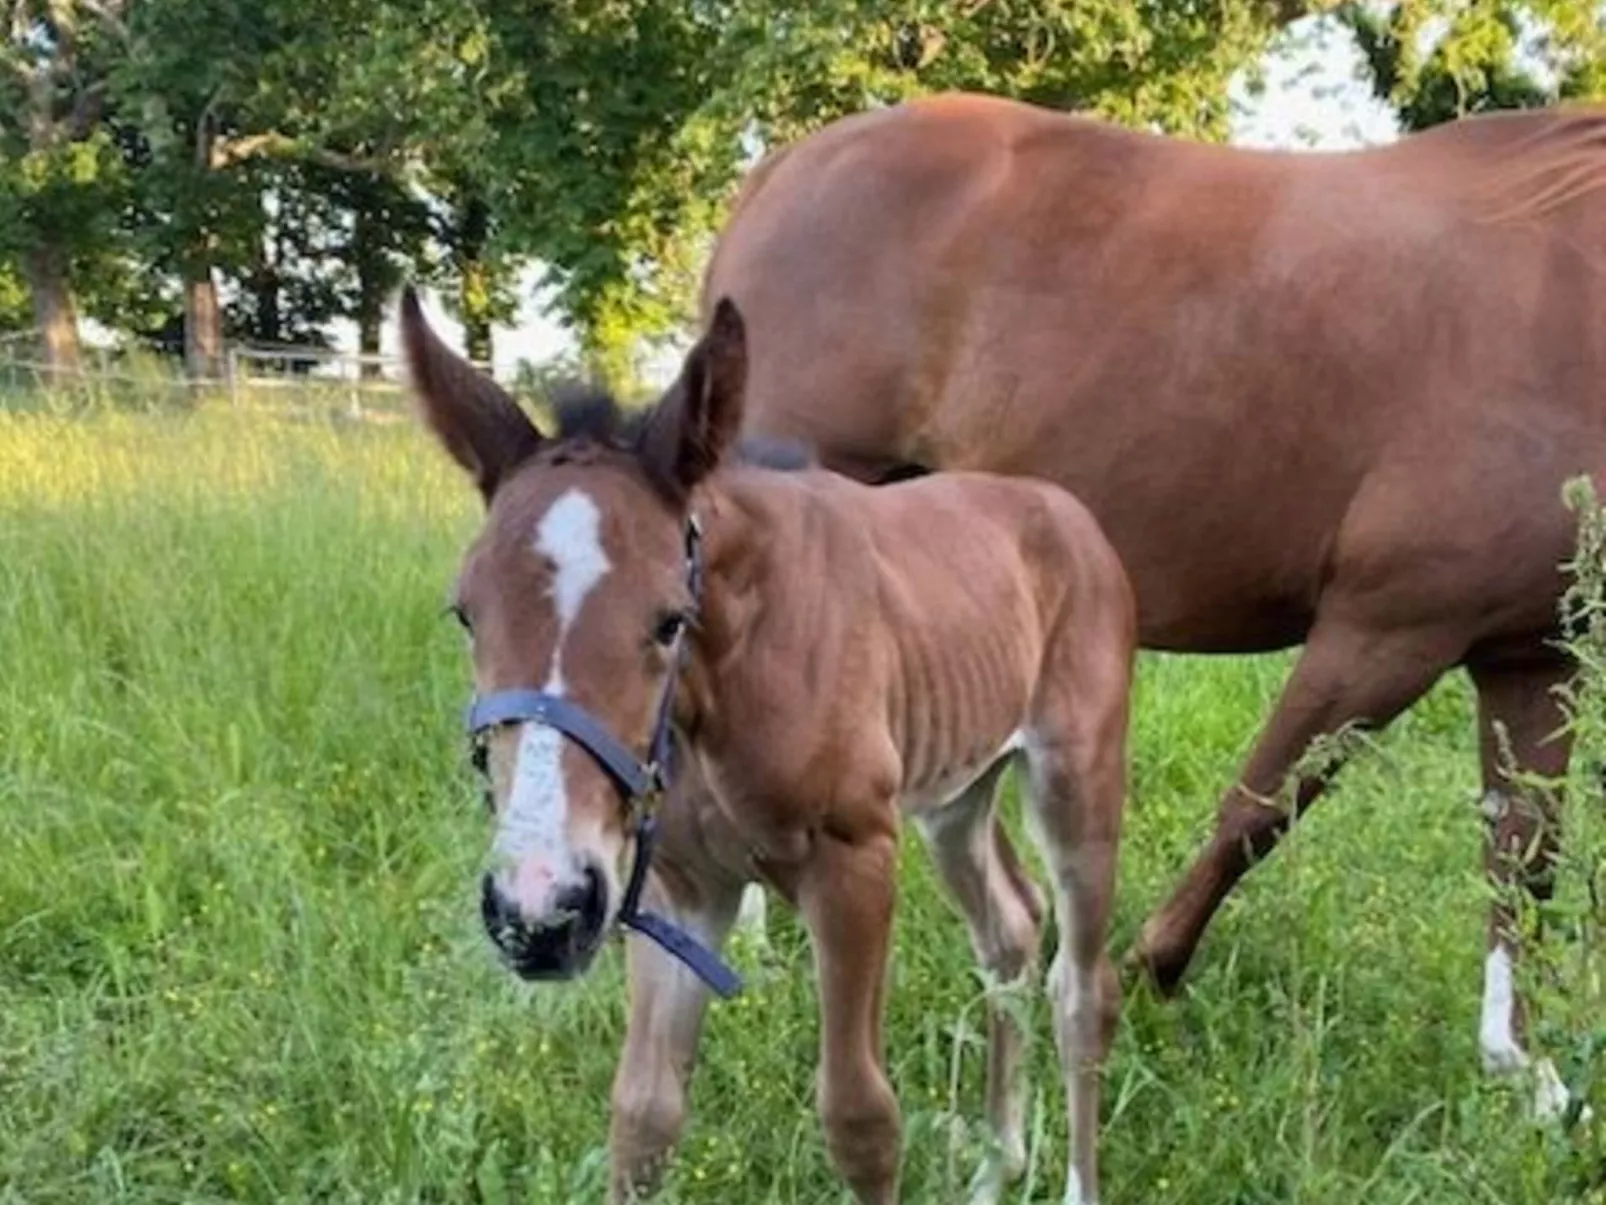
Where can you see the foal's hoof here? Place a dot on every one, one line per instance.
(998, 1172)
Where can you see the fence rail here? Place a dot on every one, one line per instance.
(303, 379)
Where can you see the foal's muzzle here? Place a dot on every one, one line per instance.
(559, 947)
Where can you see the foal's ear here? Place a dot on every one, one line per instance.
(697, 420)
(480, 426)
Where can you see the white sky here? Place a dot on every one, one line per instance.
(1314, 98)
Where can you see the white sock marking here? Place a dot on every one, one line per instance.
(1550, 1094)
(1501, 1053)
(1499, 1045)
(753, 913)
(534, 823)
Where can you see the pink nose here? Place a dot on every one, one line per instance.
(534, 880)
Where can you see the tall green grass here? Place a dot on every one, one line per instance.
(239, 946)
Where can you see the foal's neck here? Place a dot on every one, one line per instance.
(768, 542)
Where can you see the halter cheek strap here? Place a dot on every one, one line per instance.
(639, 783)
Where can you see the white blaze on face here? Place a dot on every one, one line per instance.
(533, 832)
(570, 536)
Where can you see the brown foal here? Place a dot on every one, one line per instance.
(1318, 399)
(847, 656)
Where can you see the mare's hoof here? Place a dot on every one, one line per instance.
(1552, 1101)
(1162, 970)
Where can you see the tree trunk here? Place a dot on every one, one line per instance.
(373, 282)
(269, 324)
(203, 315)
(369, 324)
(475, 274)
(45, 263)
(55, 316)
(203, 325)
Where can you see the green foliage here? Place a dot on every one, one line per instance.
(455, 143)
(63, 180)
(589, 170)
(16, 310)
(1435, 60)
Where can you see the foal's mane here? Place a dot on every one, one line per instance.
(589, 414)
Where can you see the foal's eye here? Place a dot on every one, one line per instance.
(668, 628)
(456, 613)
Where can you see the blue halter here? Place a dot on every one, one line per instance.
(640, 783)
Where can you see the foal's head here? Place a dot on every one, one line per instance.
(577, 586)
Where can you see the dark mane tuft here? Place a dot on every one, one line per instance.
(589, 412)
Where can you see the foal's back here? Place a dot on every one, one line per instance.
(957, 613)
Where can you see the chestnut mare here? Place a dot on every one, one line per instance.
(1327, 399)
(835, 657)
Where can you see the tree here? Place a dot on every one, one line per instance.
(295, 159)
(1489, 54)
(222, 96)
(60, 183)
(387, 228)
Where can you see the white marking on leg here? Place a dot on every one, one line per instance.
(533, 832)
(1501, 1054)
(1494, 806)
(1073, 1190)
(1550, 1094)
(752, 917)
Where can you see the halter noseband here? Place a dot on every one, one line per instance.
(639, 783)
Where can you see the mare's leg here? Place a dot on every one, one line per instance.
(1349, 673)
(1520, 729)
(667, 1003)
(846, 895)
(1004, 913)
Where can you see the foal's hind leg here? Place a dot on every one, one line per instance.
(1519, 717)
(1348, 673)
(1004, 914)
(1076, 752)
(667, 1003)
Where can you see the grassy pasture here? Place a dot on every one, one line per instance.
(239, 945)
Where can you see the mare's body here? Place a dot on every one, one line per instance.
(1327, 399)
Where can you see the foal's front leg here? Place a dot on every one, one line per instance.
(846, 894)
(667, 1003)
